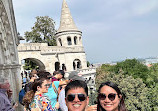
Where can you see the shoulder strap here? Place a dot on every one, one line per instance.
(55, 90)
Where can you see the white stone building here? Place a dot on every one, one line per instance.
(68, 52)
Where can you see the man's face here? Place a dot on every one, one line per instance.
(78, 103)
(6, 85)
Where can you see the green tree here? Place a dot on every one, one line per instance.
(88, 63)
(128, 68)
(153, 96)
(133, 67)
(29, 65)
(134, 90)
(102, 73)
(154, 72)
(42, 32)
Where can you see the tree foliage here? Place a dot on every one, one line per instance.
(42, 32)
(134, 90)
(29, 65)
(133, 67)
(153, 97)
(136, 80)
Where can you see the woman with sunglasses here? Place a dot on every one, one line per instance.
(35, 99)
(110, 98)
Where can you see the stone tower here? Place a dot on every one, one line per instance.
(68, 34)
(70, 37)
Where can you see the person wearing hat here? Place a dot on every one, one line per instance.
(72, 76)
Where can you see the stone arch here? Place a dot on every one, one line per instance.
(75, 40)
(77, 64)
(69, 42)
(38, 62)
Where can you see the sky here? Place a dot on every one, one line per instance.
(112, 30)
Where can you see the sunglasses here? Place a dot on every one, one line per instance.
(47, 85)
(71, 97)
(111, 96)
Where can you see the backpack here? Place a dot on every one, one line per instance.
(21, 95)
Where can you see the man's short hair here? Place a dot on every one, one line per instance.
(44, 74)
(74, 76)
(59, 72)
(76, 84)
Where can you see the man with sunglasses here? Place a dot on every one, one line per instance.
(76, 95)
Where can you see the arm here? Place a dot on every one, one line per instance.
(62, 103)
(64, 82)
(5, 105)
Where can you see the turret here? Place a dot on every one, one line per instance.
(68, 34)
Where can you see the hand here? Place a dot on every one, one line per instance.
(57, 105)
(15, 105)
(91, 108)
(9, 93)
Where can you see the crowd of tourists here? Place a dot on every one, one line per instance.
(52, 92)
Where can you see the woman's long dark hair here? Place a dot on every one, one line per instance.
(121, 106)
(30, 94)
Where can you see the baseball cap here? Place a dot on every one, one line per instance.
(74, 76)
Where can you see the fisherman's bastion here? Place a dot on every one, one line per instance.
(69, 51)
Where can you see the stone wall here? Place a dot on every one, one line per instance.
(48, 55)
(9, 65)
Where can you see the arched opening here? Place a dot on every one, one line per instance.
(57, 66)
(74, 66)
(77, 64)
(80, 39)
(32, 63)
(69, 41)
(63, 67)
(60, 42)
(75, 40)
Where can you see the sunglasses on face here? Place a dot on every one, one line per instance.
(71, 97)
(111, 96)
(47, 85)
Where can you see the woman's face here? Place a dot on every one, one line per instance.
(111, 102)
(44, 87)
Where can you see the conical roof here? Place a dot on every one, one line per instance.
(66, 21)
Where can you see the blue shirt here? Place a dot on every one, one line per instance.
(51, 93)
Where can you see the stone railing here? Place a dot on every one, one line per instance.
(45, 49)
(31, 46)
(87, 71)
